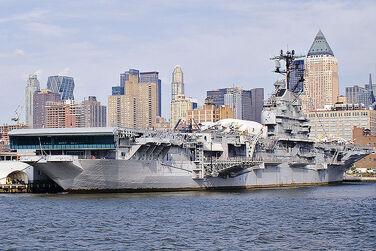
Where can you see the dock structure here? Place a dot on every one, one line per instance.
(19, 177)
(14, 188)
(353, 178)
(30, 188)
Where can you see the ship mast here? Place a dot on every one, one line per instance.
(289, 58)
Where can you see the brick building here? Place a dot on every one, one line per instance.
(362, 137)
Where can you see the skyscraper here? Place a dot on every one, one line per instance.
(142, 77)
(125, 76)
(177, 85)
(137, 108)
(361, 95)
(233, 99)
(321, 75)
(217, 96)
(366, 97)
(352, 94)
(63, 85)
(297, 77)
(373, 88)
(153, 77)
(32, 87)
(94, 114)
(246, 104)
(39, 106)
(257, 104)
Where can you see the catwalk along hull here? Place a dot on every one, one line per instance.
(129, 175)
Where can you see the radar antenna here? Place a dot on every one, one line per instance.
(289, 58)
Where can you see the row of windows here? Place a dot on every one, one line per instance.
(345, 114)
(64, 147)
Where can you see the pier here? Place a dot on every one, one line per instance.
(30, 188)
(353, 178)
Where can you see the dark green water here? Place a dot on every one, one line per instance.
(341, 217)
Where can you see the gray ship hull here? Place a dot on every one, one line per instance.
(132, 175)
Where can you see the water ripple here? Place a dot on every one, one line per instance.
(316, 218)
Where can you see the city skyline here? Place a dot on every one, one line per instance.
(218, 44)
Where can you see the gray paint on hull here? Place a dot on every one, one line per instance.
(131, 174)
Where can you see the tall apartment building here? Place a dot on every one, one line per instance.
(246, 104)
(63, 85)
(337, 121)
(122, 111)
(321, 75)
(94, 114)
(153, 77)
(177, 84)
(39, 102)
(64, 114)
(179, 107)
(142, 77)
(32, 87)
(55, 114)
(137, 107)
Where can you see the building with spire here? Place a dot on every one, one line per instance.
(321, 86)
(372, 86)
(177, 85)
(32, 87)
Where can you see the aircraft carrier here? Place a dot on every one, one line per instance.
(221, 155)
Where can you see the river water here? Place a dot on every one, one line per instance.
(338, 217)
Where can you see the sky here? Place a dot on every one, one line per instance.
(217, 43)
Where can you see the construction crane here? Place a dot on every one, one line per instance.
(18, 113)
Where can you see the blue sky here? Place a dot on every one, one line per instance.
(217, 43)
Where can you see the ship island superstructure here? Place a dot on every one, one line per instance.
(226, 154)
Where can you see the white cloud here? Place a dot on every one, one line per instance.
(19, 52)
(64, 72)
(38, 72)
(31, 15)
(218, 43)
(46, 29)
